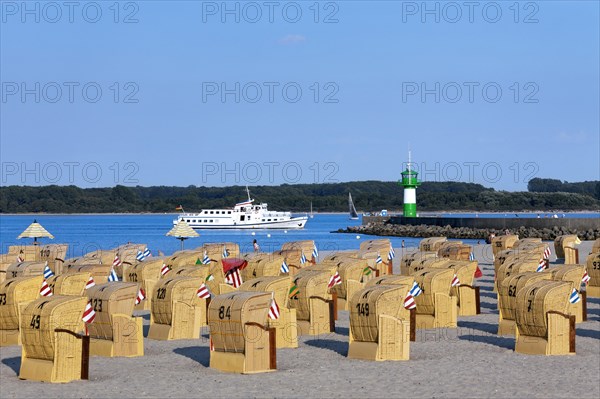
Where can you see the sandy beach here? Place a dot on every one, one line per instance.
(470, 361)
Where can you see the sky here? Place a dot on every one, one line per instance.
(251, 93)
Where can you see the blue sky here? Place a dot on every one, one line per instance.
(495, 94)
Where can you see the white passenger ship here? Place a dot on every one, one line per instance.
(244, 215)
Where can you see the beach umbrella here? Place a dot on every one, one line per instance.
(182, 231)
(35, 231)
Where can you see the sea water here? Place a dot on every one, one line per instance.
(86, 233)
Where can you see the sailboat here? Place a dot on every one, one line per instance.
(353, 214)
(312, 215)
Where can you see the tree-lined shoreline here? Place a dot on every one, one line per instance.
(369, 196)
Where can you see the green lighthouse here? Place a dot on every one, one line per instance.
(410, 184)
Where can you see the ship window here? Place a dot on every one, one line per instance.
(229, 212)
(242, 217)
(188, 220)
(205, 220)
(211, 212)
(205, 212)
(268, 220)
(249, 217)
(263, 220)
(194, 221)
(211, 220)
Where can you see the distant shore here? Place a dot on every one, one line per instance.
(135, 213)
(368, 196)
(390, 213)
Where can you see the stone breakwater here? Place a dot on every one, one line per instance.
(396, 230)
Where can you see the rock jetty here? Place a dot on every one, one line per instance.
(396, 230)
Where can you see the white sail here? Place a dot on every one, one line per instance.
(352, 209)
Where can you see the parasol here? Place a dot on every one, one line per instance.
(182, 231)
(35, 231)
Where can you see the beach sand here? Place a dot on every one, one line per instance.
(470, 361)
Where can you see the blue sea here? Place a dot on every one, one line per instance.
(86, 233)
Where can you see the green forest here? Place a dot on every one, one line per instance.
(368, 196)
(539, 185)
